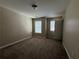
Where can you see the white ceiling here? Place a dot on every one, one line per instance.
(48, 8)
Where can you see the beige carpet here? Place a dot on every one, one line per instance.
(35, 48)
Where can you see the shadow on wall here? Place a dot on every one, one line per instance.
(14, 26)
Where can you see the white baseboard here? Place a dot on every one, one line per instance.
(10, 44)
(66, 51)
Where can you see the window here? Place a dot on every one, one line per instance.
(38, 26)
(52, 25)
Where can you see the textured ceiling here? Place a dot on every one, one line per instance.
(48, 8)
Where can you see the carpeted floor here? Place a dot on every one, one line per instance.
(36, 48)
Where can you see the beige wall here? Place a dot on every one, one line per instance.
(14, 27)
(71, 29)
(0, 24)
